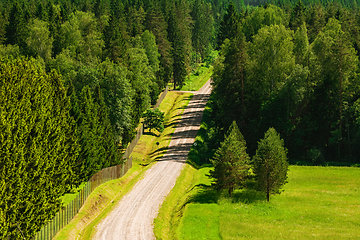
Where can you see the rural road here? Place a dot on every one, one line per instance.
(133, 217)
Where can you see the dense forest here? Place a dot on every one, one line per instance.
(295, 70)
(77, 75)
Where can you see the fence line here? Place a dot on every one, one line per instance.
(67, 213)
(161, 98)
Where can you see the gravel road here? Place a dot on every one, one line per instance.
(133, 217)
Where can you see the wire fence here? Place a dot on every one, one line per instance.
(67, 213)
(161, 98)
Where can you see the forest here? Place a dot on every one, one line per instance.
(76, 76)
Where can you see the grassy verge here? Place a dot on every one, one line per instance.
(197, 79)
(104, 198)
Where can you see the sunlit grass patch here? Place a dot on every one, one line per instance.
(198, 78)
(147, 150)
(314, 205)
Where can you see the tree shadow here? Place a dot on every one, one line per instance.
(150, 134)
(247, 196)
(206, 194)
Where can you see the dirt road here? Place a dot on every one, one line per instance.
(133, 217)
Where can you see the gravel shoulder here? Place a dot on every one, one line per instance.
(133, 217)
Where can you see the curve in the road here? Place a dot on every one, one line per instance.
(133, 217)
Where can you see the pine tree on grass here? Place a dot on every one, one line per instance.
(270, 163)
(231, 162)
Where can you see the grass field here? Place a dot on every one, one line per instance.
(104, 198)
(317, 203)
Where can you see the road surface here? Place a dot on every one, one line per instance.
(133, 217)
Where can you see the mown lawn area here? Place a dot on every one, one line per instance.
(317, 203)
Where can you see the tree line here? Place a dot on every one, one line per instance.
(295, 70)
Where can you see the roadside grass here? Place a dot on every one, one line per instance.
(197, 78)
(104, 198)
(147, 151)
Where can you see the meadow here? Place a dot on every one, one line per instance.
(317, 203)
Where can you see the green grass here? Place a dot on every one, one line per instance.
(197, 79)
(104, 198)
(147, 150)
(317, 203)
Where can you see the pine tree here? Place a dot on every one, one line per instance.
(270, 163)
(231, 162)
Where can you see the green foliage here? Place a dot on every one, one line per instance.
(231, 162)
(38, 146)
(261, 17)
(39, 41)
(270, 163)
(229, 25)
(154, 119)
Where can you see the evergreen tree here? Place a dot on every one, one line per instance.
(115, 35)
(38, 147)
(297, 17)
(203, 27)
(180, 53)
(231, 162)
(229, 25)
(270, 163)
(16, 29)
(158, 26)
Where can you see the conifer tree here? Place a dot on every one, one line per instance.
(16, 29)
(229, 25)
(155, 22)
(38, 147)
(231, 162)
(270, 163)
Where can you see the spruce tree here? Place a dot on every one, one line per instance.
(270, 163)
(231, 162)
